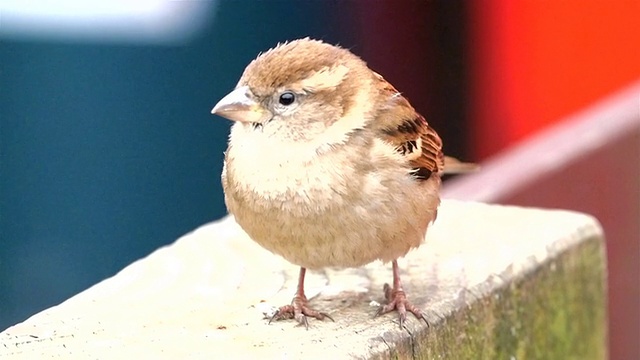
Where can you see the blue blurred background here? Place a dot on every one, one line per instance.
(108, 149)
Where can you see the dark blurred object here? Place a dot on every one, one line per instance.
(419, 46)
(589, 162)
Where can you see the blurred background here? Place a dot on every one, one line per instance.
(108, 149)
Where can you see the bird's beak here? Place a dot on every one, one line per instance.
(239, 105)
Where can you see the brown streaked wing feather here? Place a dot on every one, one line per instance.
(405, 128)
(432, 155)
(410, 133)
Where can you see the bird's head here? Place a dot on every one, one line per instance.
(303, 86)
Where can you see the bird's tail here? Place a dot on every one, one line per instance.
(455, 166)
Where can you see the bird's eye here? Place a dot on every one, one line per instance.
(287, 98)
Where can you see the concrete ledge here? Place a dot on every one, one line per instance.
(559, 173)
(498, 282)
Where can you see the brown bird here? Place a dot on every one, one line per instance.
(328, 165)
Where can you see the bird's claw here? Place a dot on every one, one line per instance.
(300, 311)
(397, 300)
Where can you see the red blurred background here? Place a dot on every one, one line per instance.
(534, 62)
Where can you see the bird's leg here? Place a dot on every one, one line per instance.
(299, 309)
(397, 299)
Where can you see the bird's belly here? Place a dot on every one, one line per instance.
(323, 219)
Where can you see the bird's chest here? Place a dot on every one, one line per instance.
(271, 174)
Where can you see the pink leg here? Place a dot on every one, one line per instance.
(397, 299)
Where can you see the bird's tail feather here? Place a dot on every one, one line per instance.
(455, 166)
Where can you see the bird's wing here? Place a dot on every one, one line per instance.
(400, 125)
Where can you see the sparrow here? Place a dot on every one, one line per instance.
(328, 165)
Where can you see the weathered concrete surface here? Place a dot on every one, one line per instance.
(587, 162)
(498, 283)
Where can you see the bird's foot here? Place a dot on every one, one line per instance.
(299, 310)
(397, 300)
